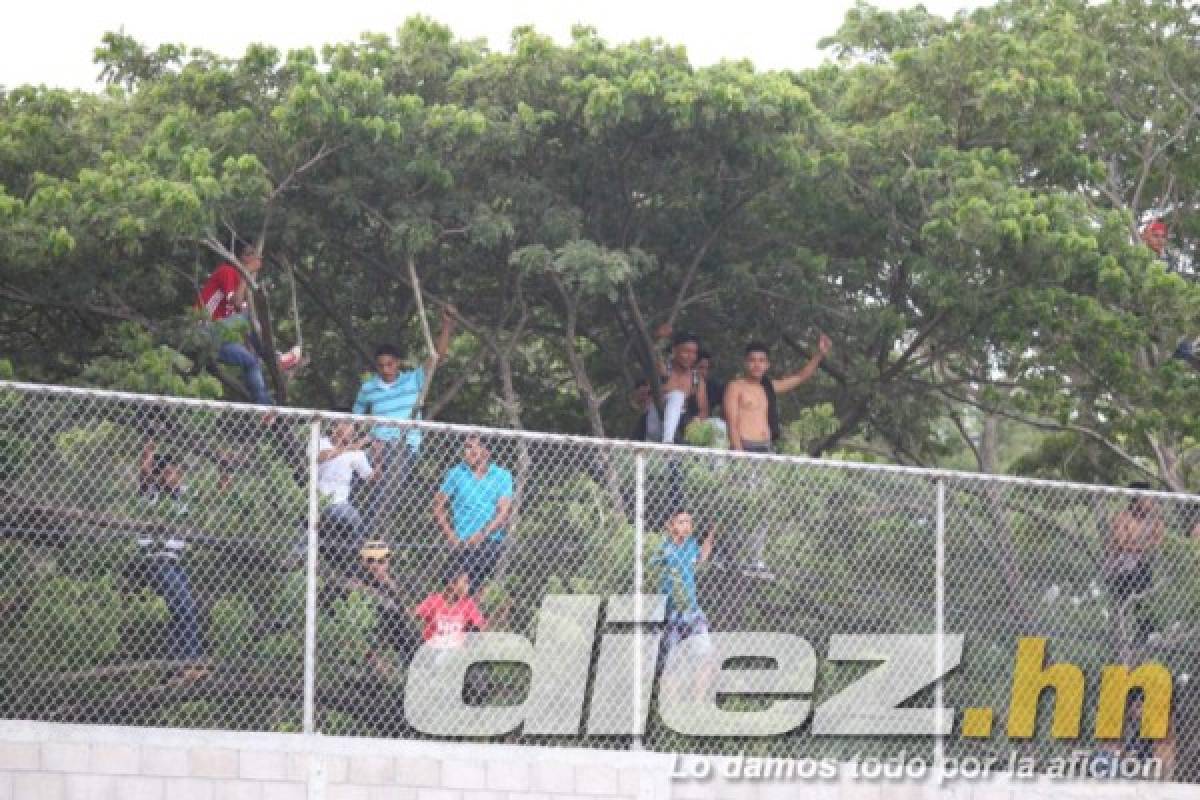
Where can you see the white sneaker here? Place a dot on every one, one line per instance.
(758, 569)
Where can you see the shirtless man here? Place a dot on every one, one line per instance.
(1135, 537)
(746, 404)
(681, 383)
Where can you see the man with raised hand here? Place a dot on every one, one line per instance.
(752, 417)
(394, 394)
(750, 405)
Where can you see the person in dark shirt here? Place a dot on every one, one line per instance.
(161, 552)
(393, 630)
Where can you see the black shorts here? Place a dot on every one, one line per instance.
(1125, 584)
(480, 562)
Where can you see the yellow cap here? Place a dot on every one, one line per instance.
(375, 549)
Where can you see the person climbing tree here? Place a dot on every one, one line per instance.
(224, 299)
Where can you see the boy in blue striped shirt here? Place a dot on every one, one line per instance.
(394, 394)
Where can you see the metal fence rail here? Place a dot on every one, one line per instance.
(182, 563)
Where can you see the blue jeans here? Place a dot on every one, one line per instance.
(341, 530)
(236, 354)
(168, 580)
(395, 465)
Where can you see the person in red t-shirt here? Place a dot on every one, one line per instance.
(1154, 236)
(223, 297)
(448, 616)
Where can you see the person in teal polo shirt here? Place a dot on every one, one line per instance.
(394, 394)
(479, 495)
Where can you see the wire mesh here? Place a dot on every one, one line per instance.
(153, 572)
(1107, 578)
(151, 562)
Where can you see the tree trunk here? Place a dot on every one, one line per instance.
(586, 391)
(510, 403)
(262, 313)
(989, 443)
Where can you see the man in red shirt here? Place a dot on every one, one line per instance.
(223, 297)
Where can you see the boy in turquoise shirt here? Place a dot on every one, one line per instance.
(394, 394)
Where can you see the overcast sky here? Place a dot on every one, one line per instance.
(51, 41)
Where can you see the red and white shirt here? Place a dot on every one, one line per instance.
(445, 624)
(217, 293)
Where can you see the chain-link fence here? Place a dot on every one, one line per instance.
(191, 564)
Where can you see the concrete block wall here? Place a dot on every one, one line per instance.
(47, 761)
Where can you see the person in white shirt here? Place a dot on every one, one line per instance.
(339, 458)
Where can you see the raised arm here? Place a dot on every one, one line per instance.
(661, 334)
(702, 400)
(790, 382)
(330, 453)
(442, 345)
(707, 548)
(1158, 530)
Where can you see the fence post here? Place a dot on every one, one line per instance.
(639, 533)
(310, 588)
(939, 751)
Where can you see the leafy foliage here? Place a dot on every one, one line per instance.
(954, 201)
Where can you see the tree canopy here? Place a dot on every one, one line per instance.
(955, 202)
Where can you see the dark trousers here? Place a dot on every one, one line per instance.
(1125, 584)
(395, 466)
(480, 561)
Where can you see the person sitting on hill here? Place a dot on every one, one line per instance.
(448, 615)
(224, 300)
(392, 628)
(472, 509)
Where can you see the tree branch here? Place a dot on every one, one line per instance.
(350, 336)
(1045, 425)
